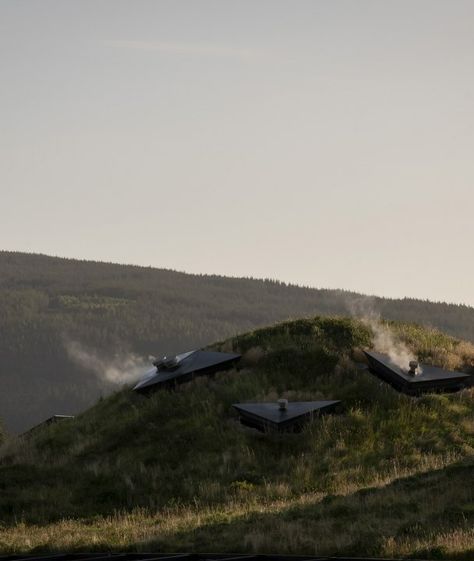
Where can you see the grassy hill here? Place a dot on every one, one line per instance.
(114, 316)
(391, 475)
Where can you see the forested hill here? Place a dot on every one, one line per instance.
(68, 327)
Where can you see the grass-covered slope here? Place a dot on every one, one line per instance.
(120, 314)
(391, 475)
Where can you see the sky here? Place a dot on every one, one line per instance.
(323, 143)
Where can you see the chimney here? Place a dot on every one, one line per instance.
(413, 368)
(282, 404)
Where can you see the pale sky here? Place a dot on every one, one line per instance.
(325, 143)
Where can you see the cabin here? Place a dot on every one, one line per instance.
(282, 415)
(168, 372)
(416, 380)
(49, 421)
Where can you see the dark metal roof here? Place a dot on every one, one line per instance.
(262, 415)
(431, 378)
(180, 557)
(48, 421)
(185, 366)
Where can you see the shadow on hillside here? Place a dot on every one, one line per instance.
(418, 517)
(373, 521)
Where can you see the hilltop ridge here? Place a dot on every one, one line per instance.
(55, 312)
(177, 472)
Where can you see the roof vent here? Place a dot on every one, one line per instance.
(413, 371)
(166, 363)
(283, 404)
(170, 362)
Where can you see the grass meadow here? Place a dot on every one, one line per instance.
(389, 475)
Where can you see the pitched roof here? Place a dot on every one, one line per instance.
(183, 366)
(429, 377)
(269, 414)
(48, 421)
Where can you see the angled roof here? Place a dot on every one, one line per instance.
(185, 365)
(430, 377)
(270, 413)
(48, 421)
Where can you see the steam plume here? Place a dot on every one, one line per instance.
(122, 369)
(385, 341)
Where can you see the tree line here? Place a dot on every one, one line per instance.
(113, 310)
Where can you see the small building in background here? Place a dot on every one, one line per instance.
(282, 415)
(49, 421)
(171, 371)
(416, 379)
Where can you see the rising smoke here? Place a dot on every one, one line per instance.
(385, 341)
(121, 369)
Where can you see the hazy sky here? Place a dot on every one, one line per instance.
(327, 143)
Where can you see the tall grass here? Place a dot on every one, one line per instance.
(177, 471)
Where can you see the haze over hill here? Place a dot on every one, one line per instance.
(325, 142)
(74, 330)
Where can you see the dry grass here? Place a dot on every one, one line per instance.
(388, 476)
(253, 356)
(452, 544)
(381, 520)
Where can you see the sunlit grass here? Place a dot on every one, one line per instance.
(177, 472)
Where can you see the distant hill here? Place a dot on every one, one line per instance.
(70, 330)
(388, 476)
